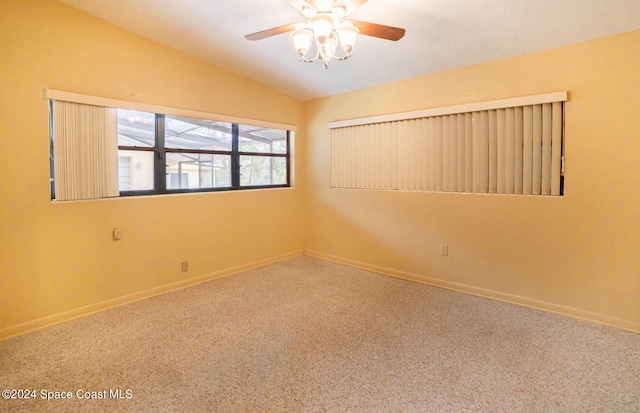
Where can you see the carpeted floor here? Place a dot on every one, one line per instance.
(306, 335)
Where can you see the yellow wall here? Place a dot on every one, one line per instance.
(577, 254)
(59, 257)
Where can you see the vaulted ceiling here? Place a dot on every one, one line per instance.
(440, 35)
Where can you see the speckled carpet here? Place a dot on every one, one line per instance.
(306, 335)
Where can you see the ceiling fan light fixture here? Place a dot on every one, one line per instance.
(322, 25)
(324, 6)
(347, 33)
(339, 11)
(328, 31)
(302, 38)
(325, 28)
(308, 11)
(328, 50)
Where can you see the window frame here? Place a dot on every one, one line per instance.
(160, 167)
(160, 151)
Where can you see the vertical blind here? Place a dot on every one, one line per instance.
(86, 151)
(501, 150)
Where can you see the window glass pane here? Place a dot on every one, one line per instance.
(262, 170)
(197, 154)
(191, 133)
(124, 173)
(135, 170)
(195, 171)
(262, 140)
(136, 128)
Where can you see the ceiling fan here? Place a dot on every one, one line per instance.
(326, 28)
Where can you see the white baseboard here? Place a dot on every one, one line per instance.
(494, 295)
(142, 295)
(48, 321)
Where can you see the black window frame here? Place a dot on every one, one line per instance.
(160, 166)
(160, 152)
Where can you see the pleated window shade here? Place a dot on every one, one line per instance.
(501, 150)
(85, 151)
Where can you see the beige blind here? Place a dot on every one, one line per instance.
(85, 151)
(509, 150)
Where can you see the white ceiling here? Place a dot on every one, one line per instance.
(440, 35)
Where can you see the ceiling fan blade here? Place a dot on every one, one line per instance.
(379, 30)
(271, 32)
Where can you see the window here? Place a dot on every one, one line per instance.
(124, 173)
(198, 153)
(136, 143)
(513, 146)
(261, 160)
(146, 153)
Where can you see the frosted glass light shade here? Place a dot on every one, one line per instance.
(322, 25)
(339, 11)
(308, 11)
(302, 40)
(347, 34)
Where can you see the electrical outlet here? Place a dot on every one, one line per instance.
(184, 266)
(444, 250)
(117, 234)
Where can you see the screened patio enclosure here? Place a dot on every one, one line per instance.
(198, 152)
